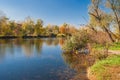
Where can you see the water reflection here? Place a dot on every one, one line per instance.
(27, 46)
(61, 41)
(33, 59)
(80, 63)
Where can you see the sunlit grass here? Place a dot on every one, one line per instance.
(99, 68)
(114, 46)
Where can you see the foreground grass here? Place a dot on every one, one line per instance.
(107, 69)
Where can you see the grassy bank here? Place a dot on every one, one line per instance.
(107, 69)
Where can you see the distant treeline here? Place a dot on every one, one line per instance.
(31, 28)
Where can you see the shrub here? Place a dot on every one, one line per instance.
(77, 41)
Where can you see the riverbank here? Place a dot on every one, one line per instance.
(106, 69)
(14, 37)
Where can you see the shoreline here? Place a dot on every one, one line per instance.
(26, 37)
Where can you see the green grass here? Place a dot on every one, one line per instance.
(114, 46)
(98, 47)
(99, 67)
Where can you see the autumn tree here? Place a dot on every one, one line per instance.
(48, 29)
(63, 28)
(38, 29)
(55, 29)
(4, 28)
(71, 29)
(28, 27)
(13, 28)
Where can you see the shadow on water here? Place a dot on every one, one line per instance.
(80, 63)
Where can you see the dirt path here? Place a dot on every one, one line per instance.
(114, 51)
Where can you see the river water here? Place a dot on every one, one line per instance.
(33, 59)
(39, 59)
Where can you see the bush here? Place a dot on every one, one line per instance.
(77, 41)
(61, 35)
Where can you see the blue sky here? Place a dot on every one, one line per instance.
(50, 11)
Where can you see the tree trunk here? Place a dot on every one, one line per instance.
(116, 16)
(110, 36)
(117, 19)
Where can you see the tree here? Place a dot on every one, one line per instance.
(48, 30)
(38, 27)
(71, 29)
(13, 28)
(4, 28)
(114, 5)
(100, 19)
(55, 29)
(63, 28)
(28, 27)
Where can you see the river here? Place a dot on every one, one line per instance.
(39, 59)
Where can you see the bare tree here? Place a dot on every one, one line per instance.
(114, 5)
(99, 18)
